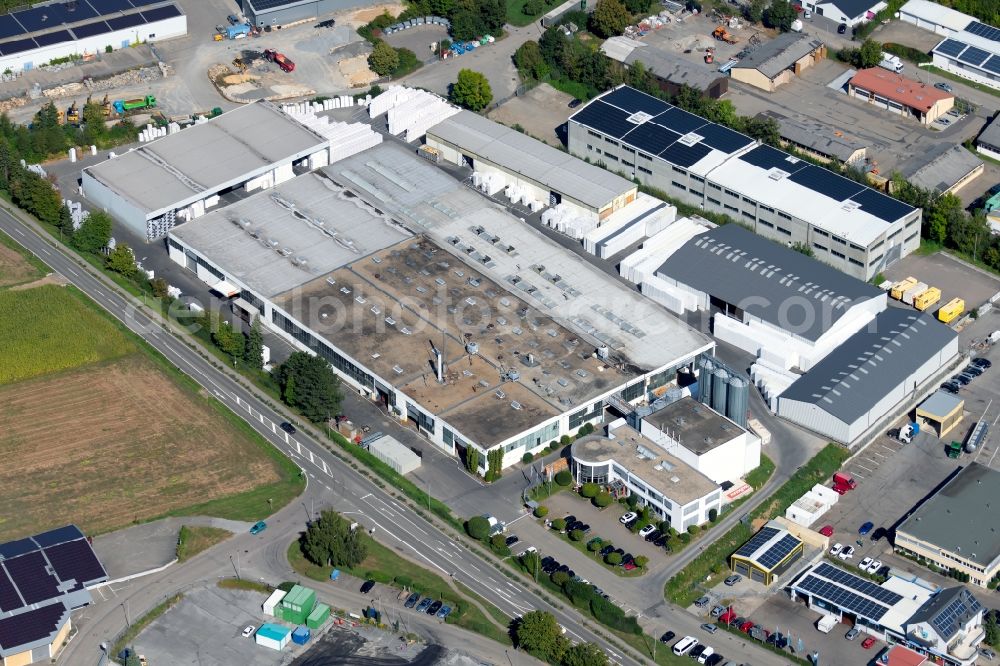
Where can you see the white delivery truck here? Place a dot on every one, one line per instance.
(891, 63)
(827, 622)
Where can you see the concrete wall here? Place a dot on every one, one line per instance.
(307, 11)
(936, 28)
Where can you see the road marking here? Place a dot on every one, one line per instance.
(18, 230)
(876, 453)
(863, 467)
(858, 475)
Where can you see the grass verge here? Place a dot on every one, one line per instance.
(686, 585)
(384, 566)
(965, 82)
(759, 476)
(248, 585)
(196, 539)
(140, 625)
(517, 16)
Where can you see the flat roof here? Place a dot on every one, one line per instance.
(940, 404)
(851, 8)
(870, 364)
(762, 277)
(647, 460)
(817, 137)
(204, 158)
(945, 520)
(697, 427)
(976, 47)
(990, 133)
(948, 168)
(288, 235)
(933, 12)
(898, 88)
(665, 64)
(855, 594)
(531, 158)
(775, 56)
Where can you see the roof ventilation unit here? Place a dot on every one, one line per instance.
(472, 347)
(515, 404)
(639, 117)
(777, 174)
(690, 139)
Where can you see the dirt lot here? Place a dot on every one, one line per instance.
(14, 268)
(107, 444)
(539, 111)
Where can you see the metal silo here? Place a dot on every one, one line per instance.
(736, 400)
(705, 369)
(719, 385)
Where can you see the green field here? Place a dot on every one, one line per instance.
(51, 328)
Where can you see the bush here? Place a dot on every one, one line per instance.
(559, 524)
(564, 478)
(632, 500)
(579, 593)
(590, 490)
(565, 439)
(613, 558)
(560, 577)
(576, 535)
(594, 546)
(664, 527)
(541, 511)
(612, 616)
(685, 537)
(527, 458)
(713, 515)
(692, 529)
(497, 541)
(603, 499)
(403, 581)
(478, 528)
(641, 561)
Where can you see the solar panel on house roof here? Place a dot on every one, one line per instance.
(632, 100)
(992, 65)
(983, 30)
(723, 138)
(685, 156)
(15, 548)
(9, 600)
(57, 37)
(756, 541)
(825, 182)
(947, 619)
(143, 3)
(105, 7)
(842, 598)
(18, 46)
(779, 551)
(91, 29)
(974, 56)
(605, 118)
(75, 559)
(881, 206)
(858, 583)
(34, 625)
(160, 13)
(651, 138)
(32, 580)
(57, 536)
(680, 120)
(122, 22)
(9, 26)
(950, 47)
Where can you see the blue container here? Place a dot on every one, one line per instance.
(301, 635)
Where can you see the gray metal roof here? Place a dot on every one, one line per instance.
(773, 57)
(871, 363)
(537, 161)
(817, 137)
(850, 8)
(942, 172)
(940, 404)
(205, 158)
(991, 134)
(946, 521)
(765, 278)
(673, 68)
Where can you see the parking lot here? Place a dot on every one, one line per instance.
(951, 276)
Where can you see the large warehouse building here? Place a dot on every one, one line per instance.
(852, 227)
(854, 387)
(37, 35)
(478, 331)
(42, 579)
(178, 177)
(282, 12)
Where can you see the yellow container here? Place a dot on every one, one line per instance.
(950, 310)
(900, 288)
(927, 298)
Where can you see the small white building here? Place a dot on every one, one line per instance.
(272, 602)
(806, 510)
(934, 17)
(851, 12)
(272, 636)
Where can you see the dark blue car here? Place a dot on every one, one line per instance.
(866, 528)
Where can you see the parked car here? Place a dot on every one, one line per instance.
(570, 519)
(716, 659)
(943, 86)
(444, 612)
(836, 548)
(951, 387)
(288, 427)
(627, 558)
(696, 651)
(434, 608)
(233, 19)
(866, 528)
(852, 633)
(746, 626)
(575, 103)
(661, 541)
(868, 642)
(807, 14)
(732, 580)
(629, 566)
(424, 603)
(248, 631)
(628, 517)
(847, 553)
(607, 549)
(987, 653)
(717, 611)
(863, 565)
(702, 601)
(983, 363)
(667, 637)
(962, 379)
(648, 529)
(653, 536)
(842, 29)
(709, 627)
(367, 586)
(511, 540)
(411, 600)
(973, 370)
(875, 566)
(258, 527)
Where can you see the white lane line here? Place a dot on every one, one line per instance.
(876, 453)
(18, 230)
(72, 272)
(858, 475)
(863, 467)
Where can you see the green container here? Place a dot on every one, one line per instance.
(318, 616)
(296, 605)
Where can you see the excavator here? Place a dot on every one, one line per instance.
(73, 114)
(723, 35)
(240, 65)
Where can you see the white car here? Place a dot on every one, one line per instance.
(865, 563)
(648, 529)
(835, 550)
(875, 566)
(628, 517)
(248, 631)
(847, 553)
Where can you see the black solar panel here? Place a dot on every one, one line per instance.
(15, 548)
(19, 46)
(32, 626)
(881, 206)
(826, 182)
(858, 583)
(651, 138)
(9, 600)
(261, 5)
(680, 120)
(767, 157)
(950, 47)
(57, 536)
(947, 620)
(160, 13)
(632, 100)
(974, 56)
(685, 156)
(142, 3)
(992, 65)
(723, 138)
(110, 6)
(122, 22)
(779, 551)
(91, 29)
(40, 18)
(843, 598)
(79, 11)
(983, 30)
(57, 37)
(75, 559)
(605, 118)
(756, 541)
(9, 26)
(32, 580)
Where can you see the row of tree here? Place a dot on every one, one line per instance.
(538, 634)
(470, 19)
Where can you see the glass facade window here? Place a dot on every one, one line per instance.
(592, 473)
(340, 363)
(541, 436)
(632, 392)
(252, 299)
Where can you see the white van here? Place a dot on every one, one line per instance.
(685, 645)
(703, 657)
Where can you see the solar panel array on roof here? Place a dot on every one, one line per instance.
(843, 598)
(15, 548)
(858, 583)
(779, 551)
(9, 26)
(992, 65)
(767, 157)
(58, 536)
(75, 560)
(756, 541)
(974, 56)
(826, 182)
(50, 38)
(34, 625)
(983, 30)
(106, 7)
(9, 598)
(17, 46)
(91, 29)
(950, 47)
(961, 607)
(33, 581)
(262, 5)
(160, 13)
(122, 22)
(633, 100)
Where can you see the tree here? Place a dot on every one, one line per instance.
(497, 541)
(65, 221)
(472, 459)
(159, 287)
(478, 528)
(637, 6)
(576, 535)
(493, 13)
(590, 490)
(754, 11)
(613, 558)
(560, 577)
(713, 515)
(471, 90)
(603, 499)
(308, 384)
(584, 654)
(94, 129)
(230, 340)
(869, 54)
(541, 511)
(383, 59)
(121, 260)
(94, 234)
(564, 478)
(594, 545)
(532, 563)
(530, 63)
(991, 628)
(641, 561)
(764, 129)
(559, 524)
(331, 541)
(540, 635)
(780, 15)
(609, 18)
(253, 355)
(632, 501)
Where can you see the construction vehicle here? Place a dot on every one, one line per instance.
(279, 59)
(950, 310)
(240, 66)
(73, 114)
(723, 35)
(902, 286)
(927, 298)
(121, 106)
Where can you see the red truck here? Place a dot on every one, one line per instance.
(279, 59)
(843, 482)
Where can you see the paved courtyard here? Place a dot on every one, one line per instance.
(953, 277)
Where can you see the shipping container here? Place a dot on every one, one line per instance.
(950, 310)
(913, 292)
(272, 601)
(273, 636)
(319, 615)
(927, 299)
(900, 287)
(301, 635)
(296, 605)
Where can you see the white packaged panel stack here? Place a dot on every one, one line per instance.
(660, 220)
(771, 381)
(388, 99)
(348, 139)
(643, 262)
(669, 296)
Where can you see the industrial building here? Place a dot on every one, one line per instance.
(943, 624)
(768, 554)
(988, 141)
(942, 412)
(950, 171)
(775, 62)
(861, 382)
(42, 579)
(783, 307)
(37, 35)
(819, 141)
(778, 195)
(971, 49)
(284, 12)
(625, 462)
(426, 297)
(178, 177)
(671, 70)
(957, 528)
(851, 12)
(549, 175)
(394, 454)
(897, 94)
(272, 636)
(934, 17)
